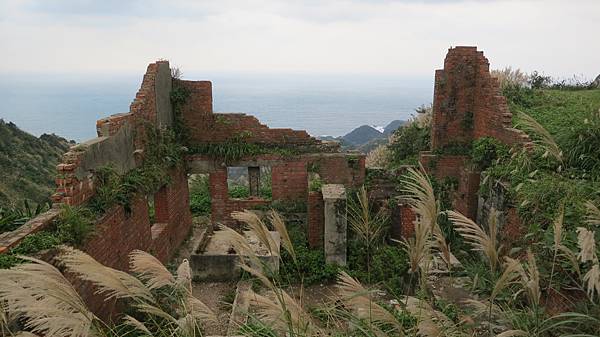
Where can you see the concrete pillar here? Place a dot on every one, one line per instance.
(334, 197)
(254, 180)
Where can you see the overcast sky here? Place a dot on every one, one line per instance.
(405, 37)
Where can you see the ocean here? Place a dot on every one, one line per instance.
(323, 105)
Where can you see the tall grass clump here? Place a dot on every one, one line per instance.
(40, 295)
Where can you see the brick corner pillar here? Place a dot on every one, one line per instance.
(315, 219)
(335, 229)
(403, 218)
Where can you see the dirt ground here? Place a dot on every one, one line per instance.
(213, 294)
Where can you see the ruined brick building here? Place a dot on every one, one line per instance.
(467, 105)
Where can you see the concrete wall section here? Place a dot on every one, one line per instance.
(335, 231)
(163, 86)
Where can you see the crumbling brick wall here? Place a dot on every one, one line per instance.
(467, 102)
(208, 127)
(467, 105)
(289, 178)
(121, 143)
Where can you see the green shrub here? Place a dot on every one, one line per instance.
(486, 150)
(74, 224)
(408, 141)
(200, 195)
(238, 191)
(389, 265)
(311, 268)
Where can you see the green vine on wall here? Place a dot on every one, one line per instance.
(74, 224)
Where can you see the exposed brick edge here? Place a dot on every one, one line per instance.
(10, 240)
(74, 191)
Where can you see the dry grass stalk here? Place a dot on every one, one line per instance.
(284, 313)
(46, 300)
(150, 270)
(509, 76)
(279, 225)
(114, 283)
(199, 310)
(132, 322)
(530, 277)
(512, 269)
(379, 157)
(352, 293)
(256, 225)
(418, 247)
(545, 139)
(593, 214)
(184, 275)
(487, 243)
(419, 194)
(592, 280)
(587, 244)
(367, 227)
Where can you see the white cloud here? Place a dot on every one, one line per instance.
(399, 37)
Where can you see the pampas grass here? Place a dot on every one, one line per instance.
(50, 306)
(587, 244)
(592, 280)
(279, 225)
(593, 214)
(258, 227)
(418, 247)
(111, 282)
(545, 139)
(364, 222)
(150, 270)
(285, 313)
(46, 300)
(509, 76)
(352, 293)
(473, 234)
(419, 194)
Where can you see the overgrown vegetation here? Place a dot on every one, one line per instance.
(409, 140)
(199, 195)
(14, 217)
(75, 223)
(27, 165)
(237, 148)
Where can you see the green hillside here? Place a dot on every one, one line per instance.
(27, 164)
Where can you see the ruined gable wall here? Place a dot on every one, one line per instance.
(467, 102)
(208, 127)
(121, 142)
(467, 105)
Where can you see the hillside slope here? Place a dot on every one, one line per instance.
(27, 164)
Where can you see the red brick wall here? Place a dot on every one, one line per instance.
(443, 166)
(316, 221)
(289, 181)
(348, 170)
(467, 105)
(402, 221)
(221, 205)
(465, 88)
(118, 233)
(208, 127)
(467, 194)
(73, 191)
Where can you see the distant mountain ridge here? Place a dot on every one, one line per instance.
(365, 137)
(28, 164)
